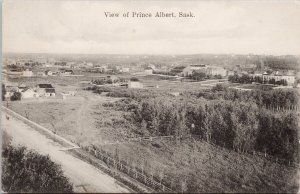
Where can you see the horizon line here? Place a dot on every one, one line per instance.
(53, 53)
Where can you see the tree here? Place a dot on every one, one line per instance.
(28, 171)
(134, 79)
(245, 126)
(233, 78)
(16, 96)
(272, 81)
(199, 76)
(3, 92)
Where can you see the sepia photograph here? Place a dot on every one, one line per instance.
(156, 96)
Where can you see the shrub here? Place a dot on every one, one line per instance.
(28, 171)
(134, 79)
(16, 96)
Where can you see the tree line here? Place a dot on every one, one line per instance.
(241, 126)
(247, 79)
(270, 99)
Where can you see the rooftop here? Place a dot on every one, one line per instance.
(45, 86)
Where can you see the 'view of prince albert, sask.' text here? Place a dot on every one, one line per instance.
(98, 103)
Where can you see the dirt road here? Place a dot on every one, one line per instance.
(85, 177)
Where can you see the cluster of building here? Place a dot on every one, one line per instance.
(288, 76)
(62, 72)
(19, 72)
(40, 90)
(209, 70)
(28, 73)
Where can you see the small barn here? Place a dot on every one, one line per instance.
(45, 90)
(49, 92)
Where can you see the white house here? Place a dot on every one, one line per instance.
(89, 64)
(29, 93)
(135, 84)
(48, 65)
(66, 72)
(277, 76)
(290, 79)
(152, 66)
(148, 71)
(125, 69)
(216, 71)
(69, 93)
(48, 72)
(27, 73)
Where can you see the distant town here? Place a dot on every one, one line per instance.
(256, 71)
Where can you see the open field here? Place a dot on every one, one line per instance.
(75, 118)
(175, 85)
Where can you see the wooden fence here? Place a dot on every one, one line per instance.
(133, 172)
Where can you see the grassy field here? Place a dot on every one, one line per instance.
(82, 118)
(206, 168)
(172, 85)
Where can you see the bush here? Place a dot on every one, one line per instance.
(16, 96)
(28, 171)
(134, 79)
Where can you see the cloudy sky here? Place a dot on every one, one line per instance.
(241, 27)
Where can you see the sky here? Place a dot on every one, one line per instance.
(221, 27)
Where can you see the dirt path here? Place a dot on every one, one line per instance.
(85, 177)
(85, 121)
